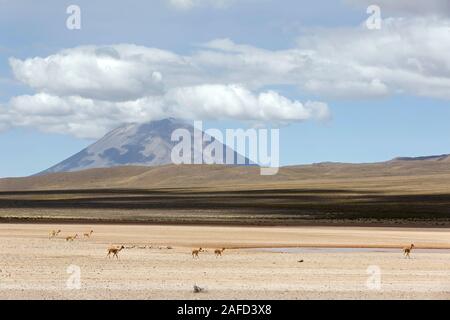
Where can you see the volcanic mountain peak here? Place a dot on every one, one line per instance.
(145, 144)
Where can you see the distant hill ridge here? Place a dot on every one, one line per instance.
(442, 157)
(419, 173)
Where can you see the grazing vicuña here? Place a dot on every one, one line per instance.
(407, 250)
(115, 251)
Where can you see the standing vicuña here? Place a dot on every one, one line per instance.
(88, 234)
(218, 252)
(71, 238)
(115, 251)
(195, 252)
(407, 250)
(54, 233)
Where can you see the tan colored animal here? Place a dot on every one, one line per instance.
(88, 234)
(195, 252)
(218, 252)
(115, 251)
(54, 233)
(407, 250)
(71, 238)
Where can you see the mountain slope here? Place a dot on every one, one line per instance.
(147, 144)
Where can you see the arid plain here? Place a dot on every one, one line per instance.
(258, 263)
(326, 231)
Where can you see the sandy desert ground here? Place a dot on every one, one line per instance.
(259, 263)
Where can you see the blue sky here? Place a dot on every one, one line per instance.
(385, 97)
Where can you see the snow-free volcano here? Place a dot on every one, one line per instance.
(145, 144)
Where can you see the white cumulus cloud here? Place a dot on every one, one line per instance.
(120, 72)
(90, 118)
(406, 56)
(236, 102)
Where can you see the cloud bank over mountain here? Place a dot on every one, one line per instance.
(89, 118)
(88, 90)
